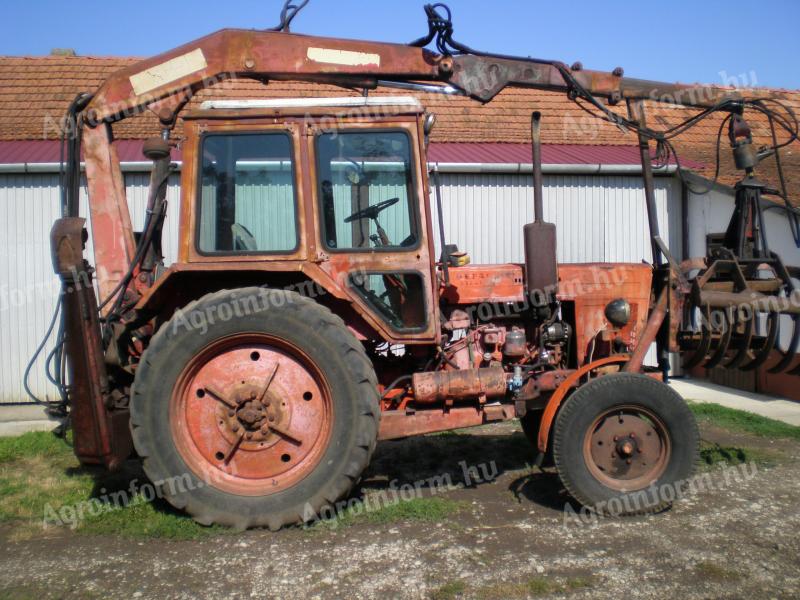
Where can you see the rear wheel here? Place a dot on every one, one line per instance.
(624, 444)
(258, 420)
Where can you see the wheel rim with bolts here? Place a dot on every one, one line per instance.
(627, 448)
(251, 415)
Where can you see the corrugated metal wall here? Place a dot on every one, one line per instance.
(29, 203)
(600, 218)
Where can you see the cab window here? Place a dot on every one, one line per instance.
(247, 194)
(366, 190)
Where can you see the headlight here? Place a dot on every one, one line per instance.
(618, 312)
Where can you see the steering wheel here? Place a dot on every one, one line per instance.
(371, 211)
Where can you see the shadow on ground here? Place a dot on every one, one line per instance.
(470, 458)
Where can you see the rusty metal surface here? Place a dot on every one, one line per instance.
(330, 270)
(591, 287)
(627, 448)
(474, 284)
(399, 424)
(102, 435)
(485, 77)
(261, 55)
(463, 384)
(164, 84)
(558, 397)
(728, 296)
(649, 334)
(253, 413)
(112, 231)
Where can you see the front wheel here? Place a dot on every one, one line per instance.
(625, 444)
(254, 408)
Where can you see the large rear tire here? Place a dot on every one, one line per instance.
(254, 408)
(625, 444)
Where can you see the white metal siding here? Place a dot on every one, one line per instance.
(29, 204)
(599, 218)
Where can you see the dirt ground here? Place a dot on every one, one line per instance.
(507, 537)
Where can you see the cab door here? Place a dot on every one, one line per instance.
(372, 227)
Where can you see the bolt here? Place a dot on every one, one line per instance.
(250, 64)
(616, 438)
(253, 396)
(613, 455)
(629, 461)
(249, 436)
(272, 419)
(265, 430)
(231, 413)
(633, 435)
(235, 429)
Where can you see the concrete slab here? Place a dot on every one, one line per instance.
(17, 419)
(772, 407)
(22, 412)
(13, 428)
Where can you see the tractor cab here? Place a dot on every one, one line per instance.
(331, 190)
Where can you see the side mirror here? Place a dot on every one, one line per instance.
(427, 126)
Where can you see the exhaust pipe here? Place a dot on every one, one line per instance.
(541, 268)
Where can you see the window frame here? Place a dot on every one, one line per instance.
(377, 311)
(413, 188)
(289, 134)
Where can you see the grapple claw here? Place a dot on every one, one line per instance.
(788, 357)
(738, 292)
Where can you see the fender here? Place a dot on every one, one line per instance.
(558, 397)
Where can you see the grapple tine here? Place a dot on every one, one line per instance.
(702, 348)
(729, 324)
(791, 352)
(769, 343)
(744, 348)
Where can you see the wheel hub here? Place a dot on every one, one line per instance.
(626, 448)
(254, 416)
(255, 411)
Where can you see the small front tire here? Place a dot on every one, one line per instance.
(624, 444)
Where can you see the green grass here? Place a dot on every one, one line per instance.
(715, 572)
(449, 591)
(31, 445)
(533, 588)
(712, 454)
(738, 420)
(44, 488)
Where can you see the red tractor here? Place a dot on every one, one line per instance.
(309, 315)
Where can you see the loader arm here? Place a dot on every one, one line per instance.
(164, 83)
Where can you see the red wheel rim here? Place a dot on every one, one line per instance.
(251, 415)
(627, 448)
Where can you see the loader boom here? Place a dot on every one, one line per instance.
(165, 83)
